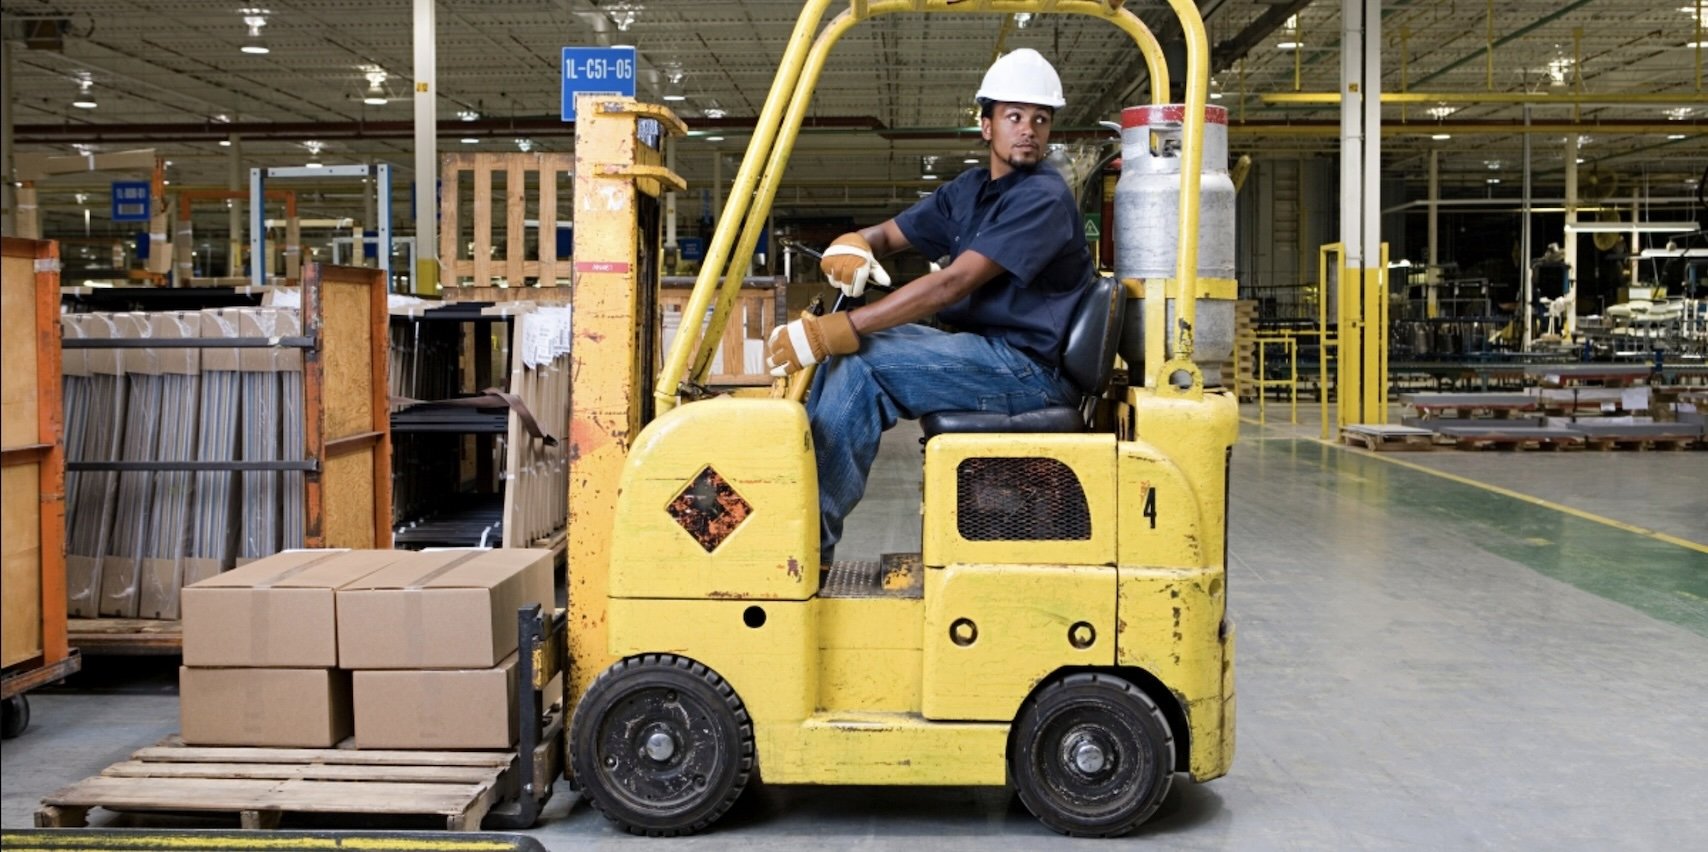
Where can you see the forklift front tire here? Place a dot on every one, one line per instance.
(661, 745)
(1092, 756)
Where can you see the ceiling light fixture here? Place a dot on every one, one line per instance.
(713, 111)
(1559, 67)
(254, 19)
(714, 139)
(1441, 111)
(1022, 20)
(1675, 136)
(85, 98)
(1494, 180)
(673, 86)
(470, 140)
(624, 15)
(467, 114)
(971, 161)
(225, 143)
(376, 95)
(524, 145)
(313, 146)
(1442, 137)
(1290, 35)
(1678, 113)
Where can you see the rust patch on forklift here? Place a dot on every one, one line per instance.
(794, 569)
(709, 509)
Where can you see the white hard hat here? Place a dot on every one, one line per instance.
(1022, 77)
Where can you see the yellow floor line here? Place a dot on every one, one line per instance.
(1507, 492)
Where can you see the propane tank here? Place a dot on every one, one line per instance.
(1147, 223)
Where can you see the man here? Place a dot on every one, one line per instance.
(1018, 266)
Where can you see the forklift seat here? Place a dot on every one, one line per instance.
(1088, 359)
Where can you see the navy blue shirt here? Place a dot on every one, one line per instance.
(1028, 224)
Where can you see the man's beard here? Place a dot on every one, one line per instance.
(1019, 162)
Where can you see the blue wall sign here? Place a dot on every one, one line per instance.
(131, 201)
(596, 70)
(692, 248)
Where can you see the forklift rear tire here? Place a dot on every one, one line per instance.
(661, 745)
(16, 717)
(1092, 756)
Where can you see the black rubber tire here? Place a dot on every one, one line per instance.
(14, 717)
(1128, 731)
(711, 759)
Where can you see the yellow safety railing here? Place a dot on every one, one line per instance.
(780, 121)
(1287, 340)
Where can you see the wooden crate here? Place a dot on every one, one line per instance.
(346, 429)
(463, 266)
(32, 460)
(757, 310)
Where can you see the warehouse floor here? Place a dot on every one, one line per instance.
(1423, 662)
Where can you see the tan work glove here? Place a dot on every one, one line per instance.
(848, 263)
(808, 341)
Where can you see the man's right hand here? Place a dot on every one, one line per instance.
(849, 263)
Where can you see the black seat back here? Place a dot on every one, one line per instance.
(1094, 335)
(1088, 360)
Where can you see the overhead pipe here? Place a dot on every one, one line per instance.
(1229, 51)
(57, 134)
(296, 131)
(1484, 98)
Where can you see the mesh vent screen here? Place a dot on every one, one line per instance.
(1020, 499)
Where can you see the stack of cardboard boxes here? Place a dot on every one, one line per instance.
(403, 649)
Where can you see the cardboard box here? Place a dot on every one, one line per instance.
(456, 708)
(287, 708)
(451, 609)
(277, 612)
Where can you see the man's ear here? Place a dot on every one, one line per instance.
(984, 128)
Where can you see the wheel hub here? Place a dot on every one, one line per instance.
(659, 745)
(1087, 756)
(1087, 753)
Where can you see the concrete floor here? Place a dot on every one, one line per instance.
(1423, 663)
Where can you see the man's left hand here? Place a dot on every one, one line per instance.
(808, 341)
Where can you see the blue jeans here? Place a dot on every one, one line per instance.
(909, 372)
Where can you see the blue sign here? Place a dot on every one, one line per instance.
(131, 202)
(596, 70)
(692, 248)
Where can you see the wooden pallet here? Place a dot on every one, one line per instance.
(1513, 442)
(261, 785)
(512, 263)
(126, 636)
(1625, 442)
(1386, 439)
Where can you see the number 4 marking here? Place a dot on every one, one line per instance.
(1150, 506)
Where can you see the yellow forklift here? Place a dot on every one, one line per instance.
(1064, 628)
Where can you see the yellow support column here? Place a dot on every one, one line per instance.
(615, 167)
(1361, 377)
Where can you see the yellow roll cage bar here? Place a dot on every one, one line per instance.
(780, 123)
